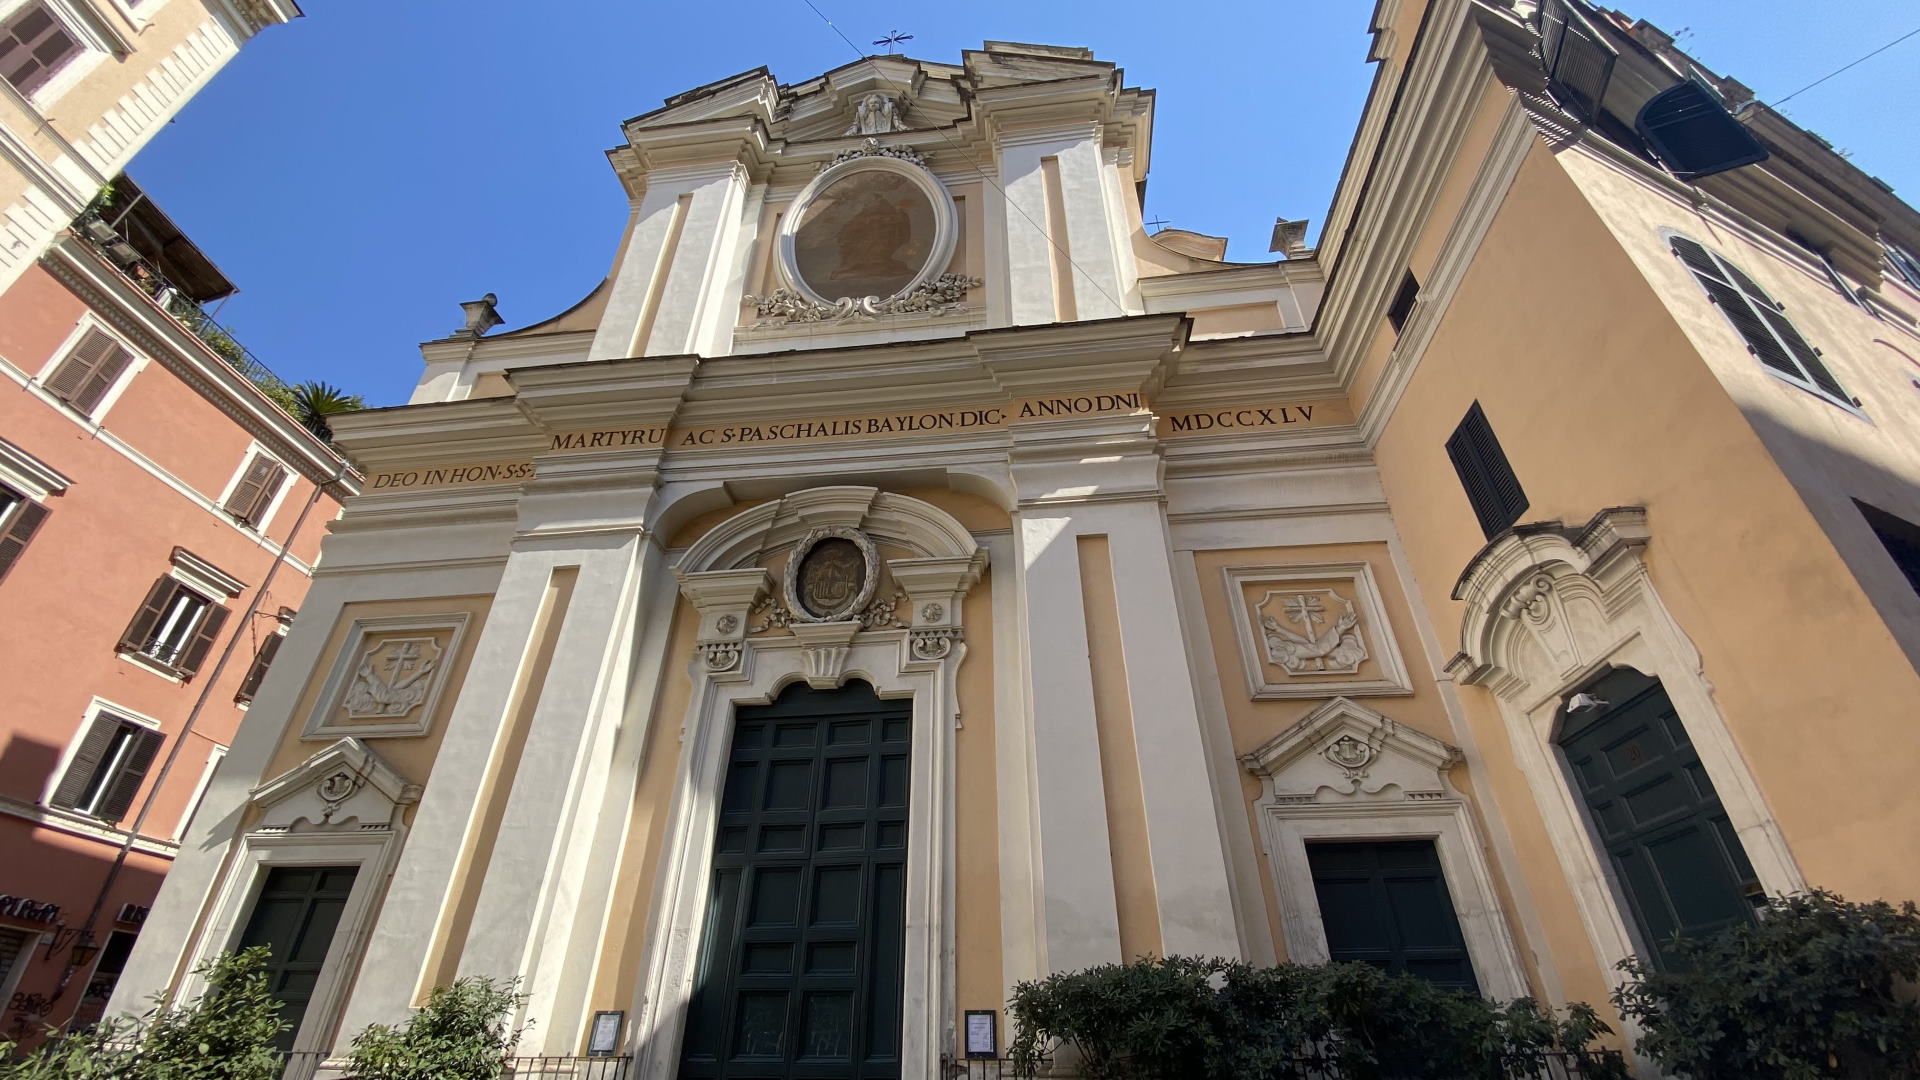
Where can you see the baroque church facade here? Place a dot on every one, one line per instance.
(904, 576)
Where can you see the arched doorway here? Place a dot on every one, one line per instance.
(800, 973)
(1655, 813)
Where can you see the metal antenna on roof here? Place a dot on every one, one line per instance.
(894, 37)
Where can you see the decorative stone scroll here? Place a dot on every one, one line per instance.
(941, 296)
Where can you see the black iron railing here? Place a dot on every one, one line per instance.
(318, 1065)
(96, 230)
(1549, 1066)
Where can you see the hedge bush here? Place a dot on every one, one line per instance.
(1817, 987)
(226, 1034)
(465, 1032)
(1188, 1018)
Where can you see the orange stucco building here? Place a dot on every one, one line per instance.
(771, 676)
(159, 515)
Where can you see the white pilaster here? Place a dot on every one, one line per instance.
(1029, 265)
(688, 224)
(409, 918)
(1085, 206)
(532, 897)
(1080, 913)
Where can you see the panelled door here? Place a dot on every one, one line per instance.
(295, 917)
(1386, 903)
(1658, 818)
(800, 967)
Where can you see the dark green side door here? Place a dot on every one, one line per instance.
(800, 965)
(1659, 820)
(295, 917)
(1386, 903)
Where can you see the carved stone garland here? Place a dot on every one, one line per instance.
(940, 296)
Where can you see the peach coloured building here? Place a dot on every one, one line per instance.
(904, 575)
(159, 516)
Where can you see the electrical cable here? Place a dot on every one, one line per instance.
(1836, 71)
(971, 160)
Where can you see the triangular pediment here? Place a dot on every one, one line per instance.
(1344, 749)
(345, 784)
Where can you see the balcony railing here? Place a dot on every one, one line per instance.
(1545, 1066)
(138, 270)
(317, 1065)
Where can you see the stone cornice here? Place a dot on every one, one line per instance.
(111, 296)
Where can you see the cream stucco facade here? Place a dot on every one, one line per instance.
(1162, 563)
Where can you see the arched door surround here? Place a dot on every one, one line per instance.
(1549, 608)
(910, 650)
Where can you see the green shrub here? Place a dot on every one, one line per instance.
(1187, 1018)
(1817, 987)
(464, 1032)
(225, 1034)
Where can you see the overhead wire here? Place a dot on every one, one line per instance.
(1837, 71)
(977, 167)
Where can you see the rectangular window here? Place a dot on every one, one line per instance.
(174, 627)
(33, 47)
(259, 483)
(89, 371)
(1899, 536)
(112, 961)
(20, 518)
(107, 768)
(1494, 491)
(1402, 307)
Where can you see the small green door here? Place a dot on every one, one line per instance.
(1385, 902)
(1658, 817)
(295, 916)
(801, 958)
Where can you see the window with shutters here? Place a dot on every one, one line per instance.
(20, 518)
(1899, 536)
(1491, 487)
(255, 490)
(174, 628)
(1760, 321)
(34, 46)
(108, 767)
(257, 671)
(1905, 265)
(1401, 309)
(83, 378)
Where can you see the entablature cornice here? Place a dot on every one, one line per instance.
(446, 432)
(635, 392)
(164, 338)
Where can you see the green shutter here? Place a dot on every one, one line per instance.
(140, 630)
(127, 784)
(257, 671)
(26, 521)
(86, 762)
(203, 637)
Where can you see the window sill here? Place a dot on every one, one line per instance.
(1814, 391)
(147, 663)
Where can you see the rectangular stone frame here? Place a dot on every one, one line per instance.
(320, 725)
(767, 666)
(1384, 649)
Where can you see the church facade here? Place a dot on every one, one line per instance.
(904, 576)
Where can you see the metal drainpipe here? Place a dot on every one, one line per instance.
(180, 740)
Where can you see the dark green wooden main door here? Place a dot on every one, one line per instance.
(1659, 819)
(294, 917)
(800, 967)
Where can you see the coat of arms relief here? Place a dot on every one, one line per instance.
(1312, 632)
(393, 678)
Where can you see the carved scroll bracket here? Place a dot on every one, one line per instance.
(725, 599)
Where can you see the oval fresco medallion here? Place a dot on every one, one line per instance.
(831, 575)
(868, 233)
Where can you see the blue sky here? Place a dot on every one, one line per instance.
(361, 171)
